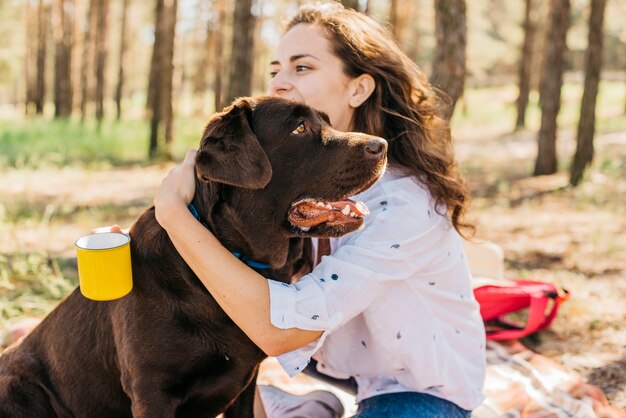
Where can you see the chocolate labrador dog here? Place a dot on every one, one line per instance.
(270, 173)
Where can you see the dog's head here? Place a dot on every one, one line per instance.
(277, 170)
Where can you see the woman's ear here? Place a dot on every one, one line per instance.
(362, 88)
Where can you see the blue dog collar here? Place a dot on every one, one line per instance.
(250, 263)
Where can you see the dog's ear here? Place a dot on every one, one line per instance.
(230, 152)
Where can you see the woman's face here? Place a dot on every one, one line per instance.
(305, 69)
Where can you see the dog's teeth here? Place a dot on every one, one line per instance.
(329, 206)
(321, 204)
(346, 210)
(353, 214)
(305, 228)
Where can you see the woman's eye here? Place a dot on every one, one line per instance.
(300, 68)
(299, 130)
(273, 74)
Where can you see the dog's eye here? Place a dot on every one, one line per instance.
(299, 130)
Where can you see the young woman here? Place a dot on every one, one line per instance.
(392, 305)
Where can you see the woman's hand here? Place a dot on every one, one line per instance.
(176, 190)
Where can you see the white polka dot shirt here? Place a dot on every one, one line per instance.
(394, 302)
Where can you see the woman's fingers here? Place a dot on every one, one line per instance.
(178, 187)
(110, 228)
(190, 157)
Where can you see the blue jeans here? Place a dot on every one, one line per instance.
(409, 405)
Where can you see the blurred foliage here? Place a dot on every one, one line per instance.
(494, 39)
(32, 284)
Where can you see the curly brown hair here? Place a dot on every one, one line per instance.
(403, 108)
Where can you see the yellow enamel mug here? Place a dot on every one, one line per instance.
(104, 267)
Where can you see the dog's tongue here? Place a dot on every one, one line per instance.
(312, 212)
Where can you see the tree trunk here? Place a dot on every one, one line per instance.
(161, 72)
(218, 57)
(154, 88)
(393, 19)
(101, 55)
(43, 15)
(154, 61)
(405, 24)
(412, 26)
(63, 38)
(86, 69)
(525, 66)
(593, 66)
(31, 28)
(542, 25)
(625, 105)
(204, 46)
(241, 62)
(119, 88)
(550, 86)
(261, 50)
(77, 45)
(448, 72)
(168, 74)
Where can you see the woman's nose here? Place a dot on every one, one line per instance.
(279, 85)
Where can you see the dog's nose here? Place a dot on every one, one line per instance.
(375, 148)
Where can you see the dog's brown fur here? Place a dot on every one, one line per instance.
(167, 349)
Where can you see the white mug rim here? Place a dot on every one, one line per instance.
(118, 240)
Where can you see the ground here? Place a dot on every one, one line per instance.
(574, 237)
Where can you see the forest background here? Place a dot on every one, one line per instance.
(98, 97)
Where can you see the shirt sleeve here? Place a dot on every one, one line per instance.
(335, 292)
(396, 242)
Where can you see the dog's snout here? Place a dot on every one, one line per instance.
(375, 148)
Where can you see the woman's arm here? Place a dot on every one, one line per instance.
(239, 290)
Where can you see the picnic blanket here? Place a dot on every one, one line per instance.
(522, 383)
(519, 384)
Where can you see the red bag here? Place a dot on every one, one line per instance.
(499, 300)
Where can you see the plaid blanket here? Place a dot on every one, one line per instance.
(521, 383)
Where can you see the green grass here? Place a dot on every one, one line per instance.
(32, 284)
(38, 142)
